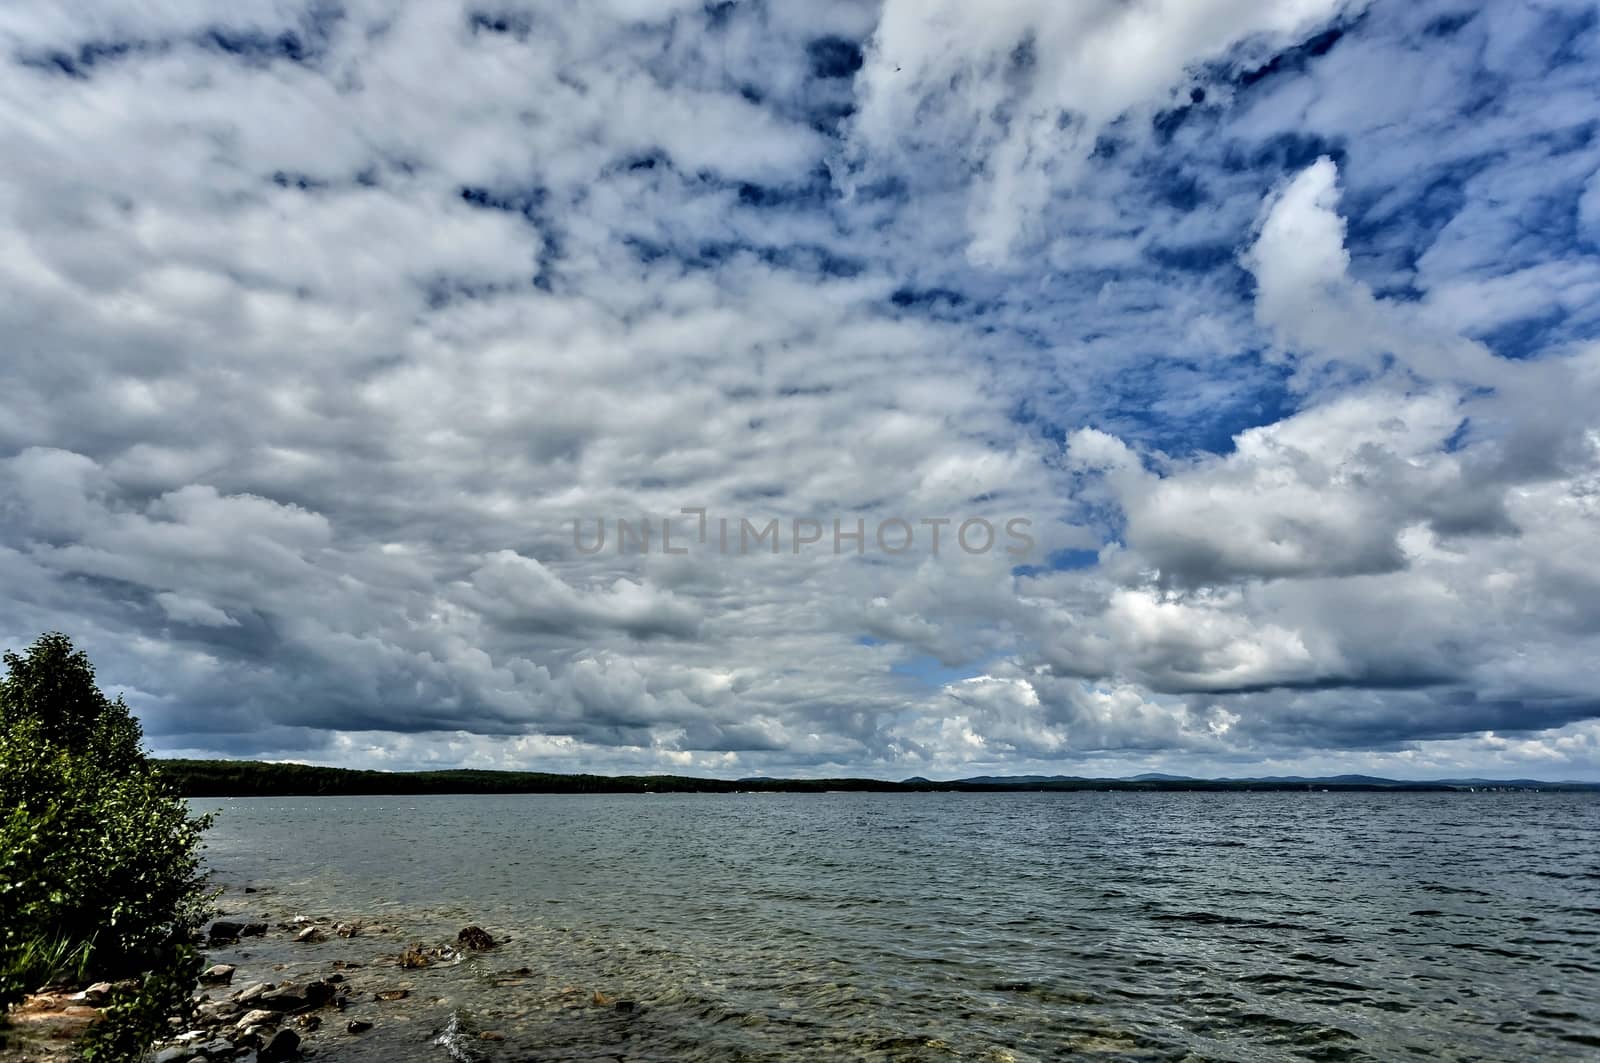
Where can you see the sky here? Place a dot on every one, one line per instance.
(1260, 335)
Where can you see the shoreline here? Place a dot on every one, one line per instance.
(244, 778)
(278, 986)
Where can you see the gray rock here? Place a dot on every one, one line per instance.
(253, 930)
(309, 934)
(284, 998)
(224, 930)
(217, 974)
(217, 1011)
(259, 1017)
(172, 1055)
(359, 1026)
(94, 996)
(251, 993)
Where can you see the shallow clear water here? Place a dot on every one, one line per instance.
(942, 926)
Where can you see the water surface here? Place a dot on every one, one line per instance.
(1004, 927)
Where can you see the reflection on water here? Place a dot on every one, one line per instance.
(941, 926)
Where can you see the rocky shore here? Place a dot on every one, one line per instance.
(273, 1021)
(277, 990)
(261, 1020)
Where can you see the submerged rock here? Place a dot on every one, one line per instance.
(358, 1026)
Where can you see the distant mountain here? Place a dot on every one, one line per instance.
(1342, 780)
(1158, 780)
(1015, 780)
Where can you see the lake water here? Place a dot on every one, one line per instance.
(1004, 927)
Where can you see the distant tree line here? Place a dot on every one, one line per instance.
(244, 778)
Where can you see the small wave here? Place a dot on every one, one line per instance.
(453, 1039)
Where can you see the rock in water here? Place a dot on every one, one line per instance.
(223, 930)
(217, 974)
(258, 1017)
(217, 1011)
(359, 1026)
(320, 993)
(284, 998)
(475, 938)
(252, 992)
(285, 1044)
(310, 933)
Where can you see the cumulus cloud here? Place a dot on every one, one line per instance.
(324, 324)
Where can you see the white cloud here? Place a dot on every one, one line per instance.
(1021, 89)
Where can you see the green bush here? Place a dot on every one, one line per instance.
(100, 874)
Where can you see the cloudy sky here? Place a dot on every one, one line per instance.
(324, 323)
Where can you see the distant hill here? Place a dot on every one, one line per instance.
(1020, 780)
(1157, 780)
(245, 778)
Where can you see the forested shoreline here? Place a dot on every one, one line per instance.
(243, 778)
